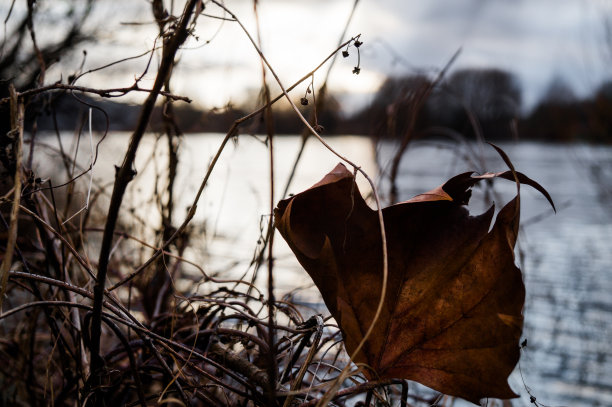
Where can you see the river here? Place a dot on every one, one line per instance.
(566, 257)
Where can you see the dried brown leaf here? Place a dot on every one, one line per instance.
(452, 316)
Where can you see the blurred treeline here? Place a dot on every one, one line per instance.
(469, 103)
(484, 103)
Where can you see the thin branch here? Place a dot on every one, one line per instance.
(106, 93)
(151, 51)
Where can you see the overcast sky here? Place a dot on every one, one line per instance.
(536, 40)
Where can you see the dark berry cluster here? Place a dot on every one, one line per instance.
(345, 53)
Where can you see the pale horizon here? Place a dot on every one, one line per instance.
(538, 42)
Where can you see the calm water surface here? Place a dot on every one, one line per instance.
(566, 257)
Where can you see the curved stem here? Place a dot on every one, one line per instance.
(381, 221)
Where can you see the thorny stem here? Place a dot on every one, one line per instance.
(17, 112)
(323, 401)
(123, 176)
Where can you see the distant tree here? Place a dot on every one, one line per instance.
(559, 91)
(558, 116)
(488, 99)
(561, 116)
(397, 107)
(490, 94)
(600, 114)
(604, 90)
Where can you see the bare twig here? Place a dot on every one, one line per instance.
(107, 93)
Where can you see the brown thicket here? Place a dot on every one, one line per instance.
(91, 312)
